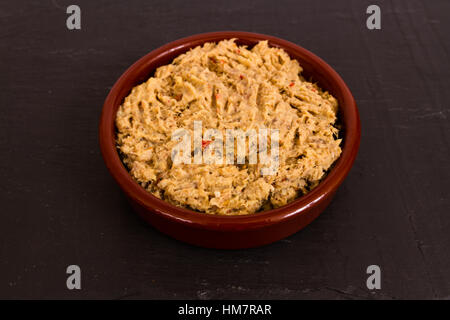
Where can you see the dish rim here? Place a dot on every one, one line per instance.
(340, 169)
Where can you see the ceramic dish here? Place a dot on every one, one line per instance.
(231, 232)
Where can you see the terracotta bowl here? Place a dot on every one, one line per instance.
(230, 232)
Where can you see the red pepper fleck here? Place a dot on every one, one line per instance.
(241, 76)
(213, 59)
(291, 84)
(217, 96)
(223, 61)
(238, 51)
(206, 143)
(314, 89)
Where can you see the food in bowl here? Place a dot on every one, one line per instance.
(227, 86)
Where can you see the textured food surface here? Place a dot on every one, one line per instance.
(226, 86)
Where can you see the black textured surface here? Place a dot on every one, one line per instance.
(60, 206)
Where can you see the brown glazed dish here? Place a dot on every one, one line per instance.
(231, 232)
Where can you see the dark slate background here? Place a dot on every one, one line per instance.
(60, 206)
